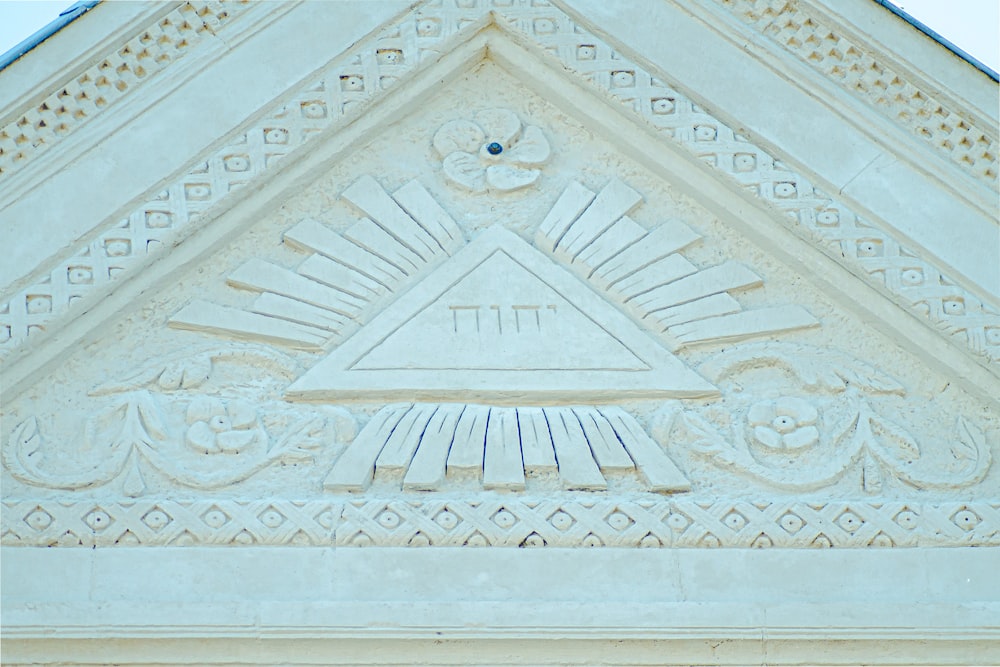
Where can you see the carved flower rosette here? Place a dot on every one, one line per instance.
(493, 151)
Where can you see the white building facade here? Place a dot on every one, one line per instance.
(499, 331)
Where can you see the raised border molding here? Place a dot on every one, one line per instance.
(453, 606)
(845, 236)
(569, 521)
(879, 80)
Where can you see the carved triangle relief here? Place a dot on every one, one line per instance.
(506, 348)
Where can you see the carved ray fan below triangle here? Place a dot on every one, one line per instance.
(500, 322)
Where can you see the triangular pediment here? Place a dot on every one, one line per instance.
(499, 321)
(491, 251)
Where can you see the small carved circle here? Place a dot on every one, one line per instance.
(734, 520)
(494, 148)
(275, 135)
(710, 541)
(504, 519)
(907, 519)
(966, 519)
(198, 191)
(762, 542)
(389, 56)
(783, 424)
(545, 26)
(220, 423)
(156, 519)
(592, 540)
(215, 518)
(784, 190)
(388, 519)
(237, 163)
(677, 522)
(662, 106)
(792, 523)
(619, 520)
(79, 275)
(623, 79)
(157, 219)
(954, 306)
(744, 162)
(869, 248)
(704, 133)
(828, 218)
(586, 52)
(272, 518)
(993, 336)
(352, 82)
(117, 247)
(38, 303)
(98, 520)
(313, 110)
(446, 519)
(849, 521)
(427, 27)
(912, 276)
(39, 519)
(561, 520)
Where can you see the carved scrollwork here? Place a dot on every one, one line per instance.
(810, 440)
(154, 422)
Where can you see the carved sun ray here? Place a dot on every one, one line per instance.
(347, 278)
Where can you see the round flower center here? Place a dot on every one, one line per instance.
(494, 148)
(783, 424)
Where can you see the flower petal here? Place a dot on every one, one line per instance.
(501, 125)
(767, 437)
(201, 438)
(801, 410)
(458, 135)
(802, 437)
(465, 170)
(761, 413)
(204, 408)
(233, 441)
(505, 177)
(242, 414)
(531, 148)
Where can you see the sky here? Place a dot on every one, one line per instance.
(973, 25)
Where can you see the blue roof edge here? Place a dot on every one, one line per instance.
(67, 16)
(939, 39)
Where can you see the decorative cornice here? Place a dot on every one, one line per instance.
(77, 101)
(581, 520)
(361, 75)
(860, 69)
